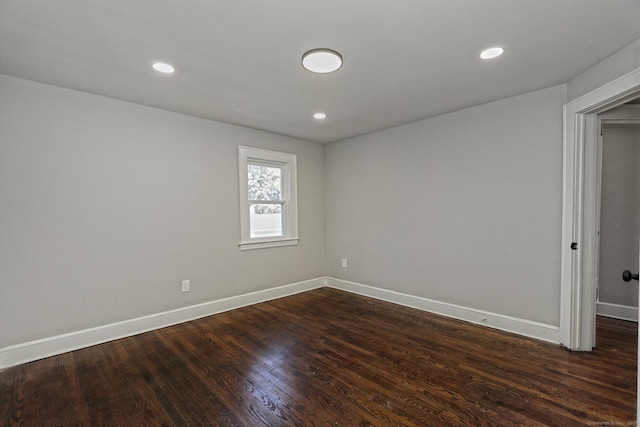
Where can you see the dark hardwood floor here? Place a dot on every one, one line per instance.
(328, 358)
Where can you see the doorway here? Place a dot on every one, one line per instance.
(619, 212)
(580, 213)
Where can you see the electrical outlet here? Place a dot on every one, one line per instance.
(186, 286)
(344, 263)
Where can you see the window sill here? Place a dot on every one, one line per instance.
(263, 244)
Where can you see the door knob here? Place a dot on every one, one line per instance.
(627, 276)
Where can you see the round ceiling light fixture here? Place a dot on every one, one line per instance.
(491, 53)
(322, 61)
(319, 116)
(163, 67)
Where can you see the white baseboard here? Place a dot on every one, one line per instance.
(51, 346)
(524, 327)
(617, 311)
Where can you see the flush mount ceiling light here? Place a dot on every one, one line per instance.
(491, 53)
(319, 116)
(322, 61)
(163, 67)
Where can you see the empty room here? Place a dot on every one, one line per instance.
(294, 213)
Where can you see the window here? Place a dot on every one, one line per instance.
(268, 202)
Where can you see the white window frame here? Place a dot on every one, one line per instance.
(287, 163)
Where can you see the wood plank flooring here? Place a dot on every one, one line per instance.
(328, 358)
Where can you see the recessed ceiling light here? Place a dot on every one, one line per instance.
(491, 53)
(322, 60)
(163, 67)
(319, 116)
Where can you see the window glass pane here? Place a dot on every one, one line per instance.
(265, 220)
(265, 182)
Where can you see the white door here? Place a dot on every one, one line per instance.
(625, 275)
(629, 277)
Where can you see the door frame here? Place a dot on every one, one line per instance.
(628, 114)
(580, 207)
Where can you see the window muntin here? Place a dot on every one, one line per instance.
(268, 202)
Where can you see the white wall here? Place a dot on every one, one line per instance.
(462, 208)
(107, 206)
(620, 213)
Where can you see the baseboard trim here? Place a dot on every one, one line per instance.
(51, 346)
(617, 311)
(515, 325)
